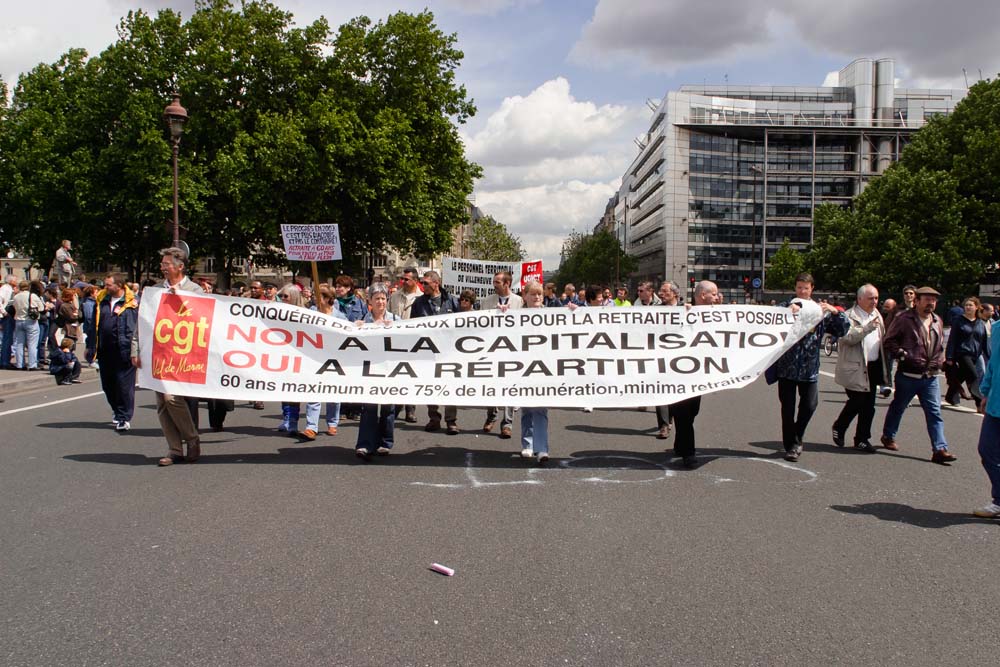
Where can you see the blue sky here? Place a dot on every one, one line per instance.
(561, 85)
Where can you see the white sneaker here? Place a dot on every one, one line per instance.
(588, 409)
(122, 426)
(526, 453)
(991, 511)
(543, 457)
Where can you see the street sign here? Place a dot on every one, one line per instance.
(756, 283)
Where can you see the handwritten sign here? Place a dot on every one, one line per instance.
(312, 243)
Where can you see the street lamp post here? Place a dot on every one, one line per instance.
(756, 171)
(175, 115)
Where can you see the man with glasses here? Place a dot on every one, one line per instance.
(400, 304)
(176, 413)
(435, 301)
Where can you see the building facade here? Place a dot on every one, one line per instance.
(726, 173)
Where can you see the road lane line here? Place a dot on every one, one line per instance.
(45, 405)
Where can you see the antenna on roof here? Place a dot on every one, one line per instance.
(725, 77)
(966, 77)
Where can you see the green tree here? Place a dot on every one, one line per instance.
(490, 240)
(594, 259)
(932, 218)
(287, 125)
(786, 263)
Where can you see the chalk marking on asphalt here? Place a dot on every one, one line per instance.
(476, 484)
(829, 375)
(666, 472)
(45, 405)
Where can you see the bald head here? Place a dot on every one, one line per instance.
(706, 293)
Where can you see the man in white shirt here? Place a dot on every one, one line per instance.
(7, 292)
(861, 368)
(502, 299)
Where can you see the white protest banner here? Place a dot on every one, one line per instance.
(458, 274)
(312, 243)
(223, 347)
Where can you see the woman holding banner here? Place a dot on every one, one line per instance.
(325, 299)
(534, 421)
(375, 434)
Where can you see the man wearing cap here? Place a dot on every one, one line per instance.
(916, 340)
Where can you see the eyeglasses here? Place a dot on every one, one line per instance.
(282, 296)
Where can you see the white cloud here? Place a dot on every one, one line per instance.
(832, 79)
(551, 162)
(546, 124)
(543, 216)
(932, 40)
(487, 7)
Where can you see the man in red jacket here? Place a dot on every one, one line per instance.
(916, 340)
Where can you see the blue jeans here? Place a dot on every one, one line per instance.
(26, 334)
(43, 336)
(989, 452)
(312, 415)
(928, 390)
(378, 423)
(7, 341)
(535, 430)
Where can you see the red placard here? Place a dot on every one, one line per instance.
(531, 271)
(181, 334)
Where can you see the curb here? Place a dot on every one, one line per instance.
(11, 382)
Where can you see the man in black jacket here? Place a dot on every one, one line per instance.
(117, 314)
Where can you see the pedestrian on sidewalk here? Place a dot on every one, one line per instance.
(63, 363)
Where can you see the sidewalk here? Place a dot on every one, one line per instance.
(15, 382)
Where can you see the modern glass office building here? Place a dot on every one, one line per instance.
(726, 173)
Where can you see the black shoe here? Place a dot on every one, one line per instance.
(838, 437)
(794, 453)
(864, 446)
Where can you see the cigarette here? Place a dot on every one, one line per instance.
(446, 571)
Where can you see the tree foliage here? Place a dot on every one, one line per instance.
(287, 125)
(490, 240)
(933, 218)
(593, 259)
(786, 263)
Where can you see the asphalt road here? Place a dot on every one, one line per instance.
(269, 552)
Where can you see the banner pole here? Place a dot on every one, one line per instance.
(315, 273)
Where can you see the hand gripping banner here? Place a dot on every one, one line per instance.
(223, 347)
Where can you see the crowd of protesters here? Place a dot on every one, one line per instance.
(42, 324)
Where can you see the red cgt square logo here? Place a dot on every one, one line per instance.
(181, 333)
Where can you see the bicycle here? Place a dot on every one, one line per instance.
(829, 344)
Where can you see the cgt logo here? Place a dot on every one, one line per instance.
(180, 338)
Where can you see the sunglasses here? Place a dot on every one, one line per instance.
(283, 296)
